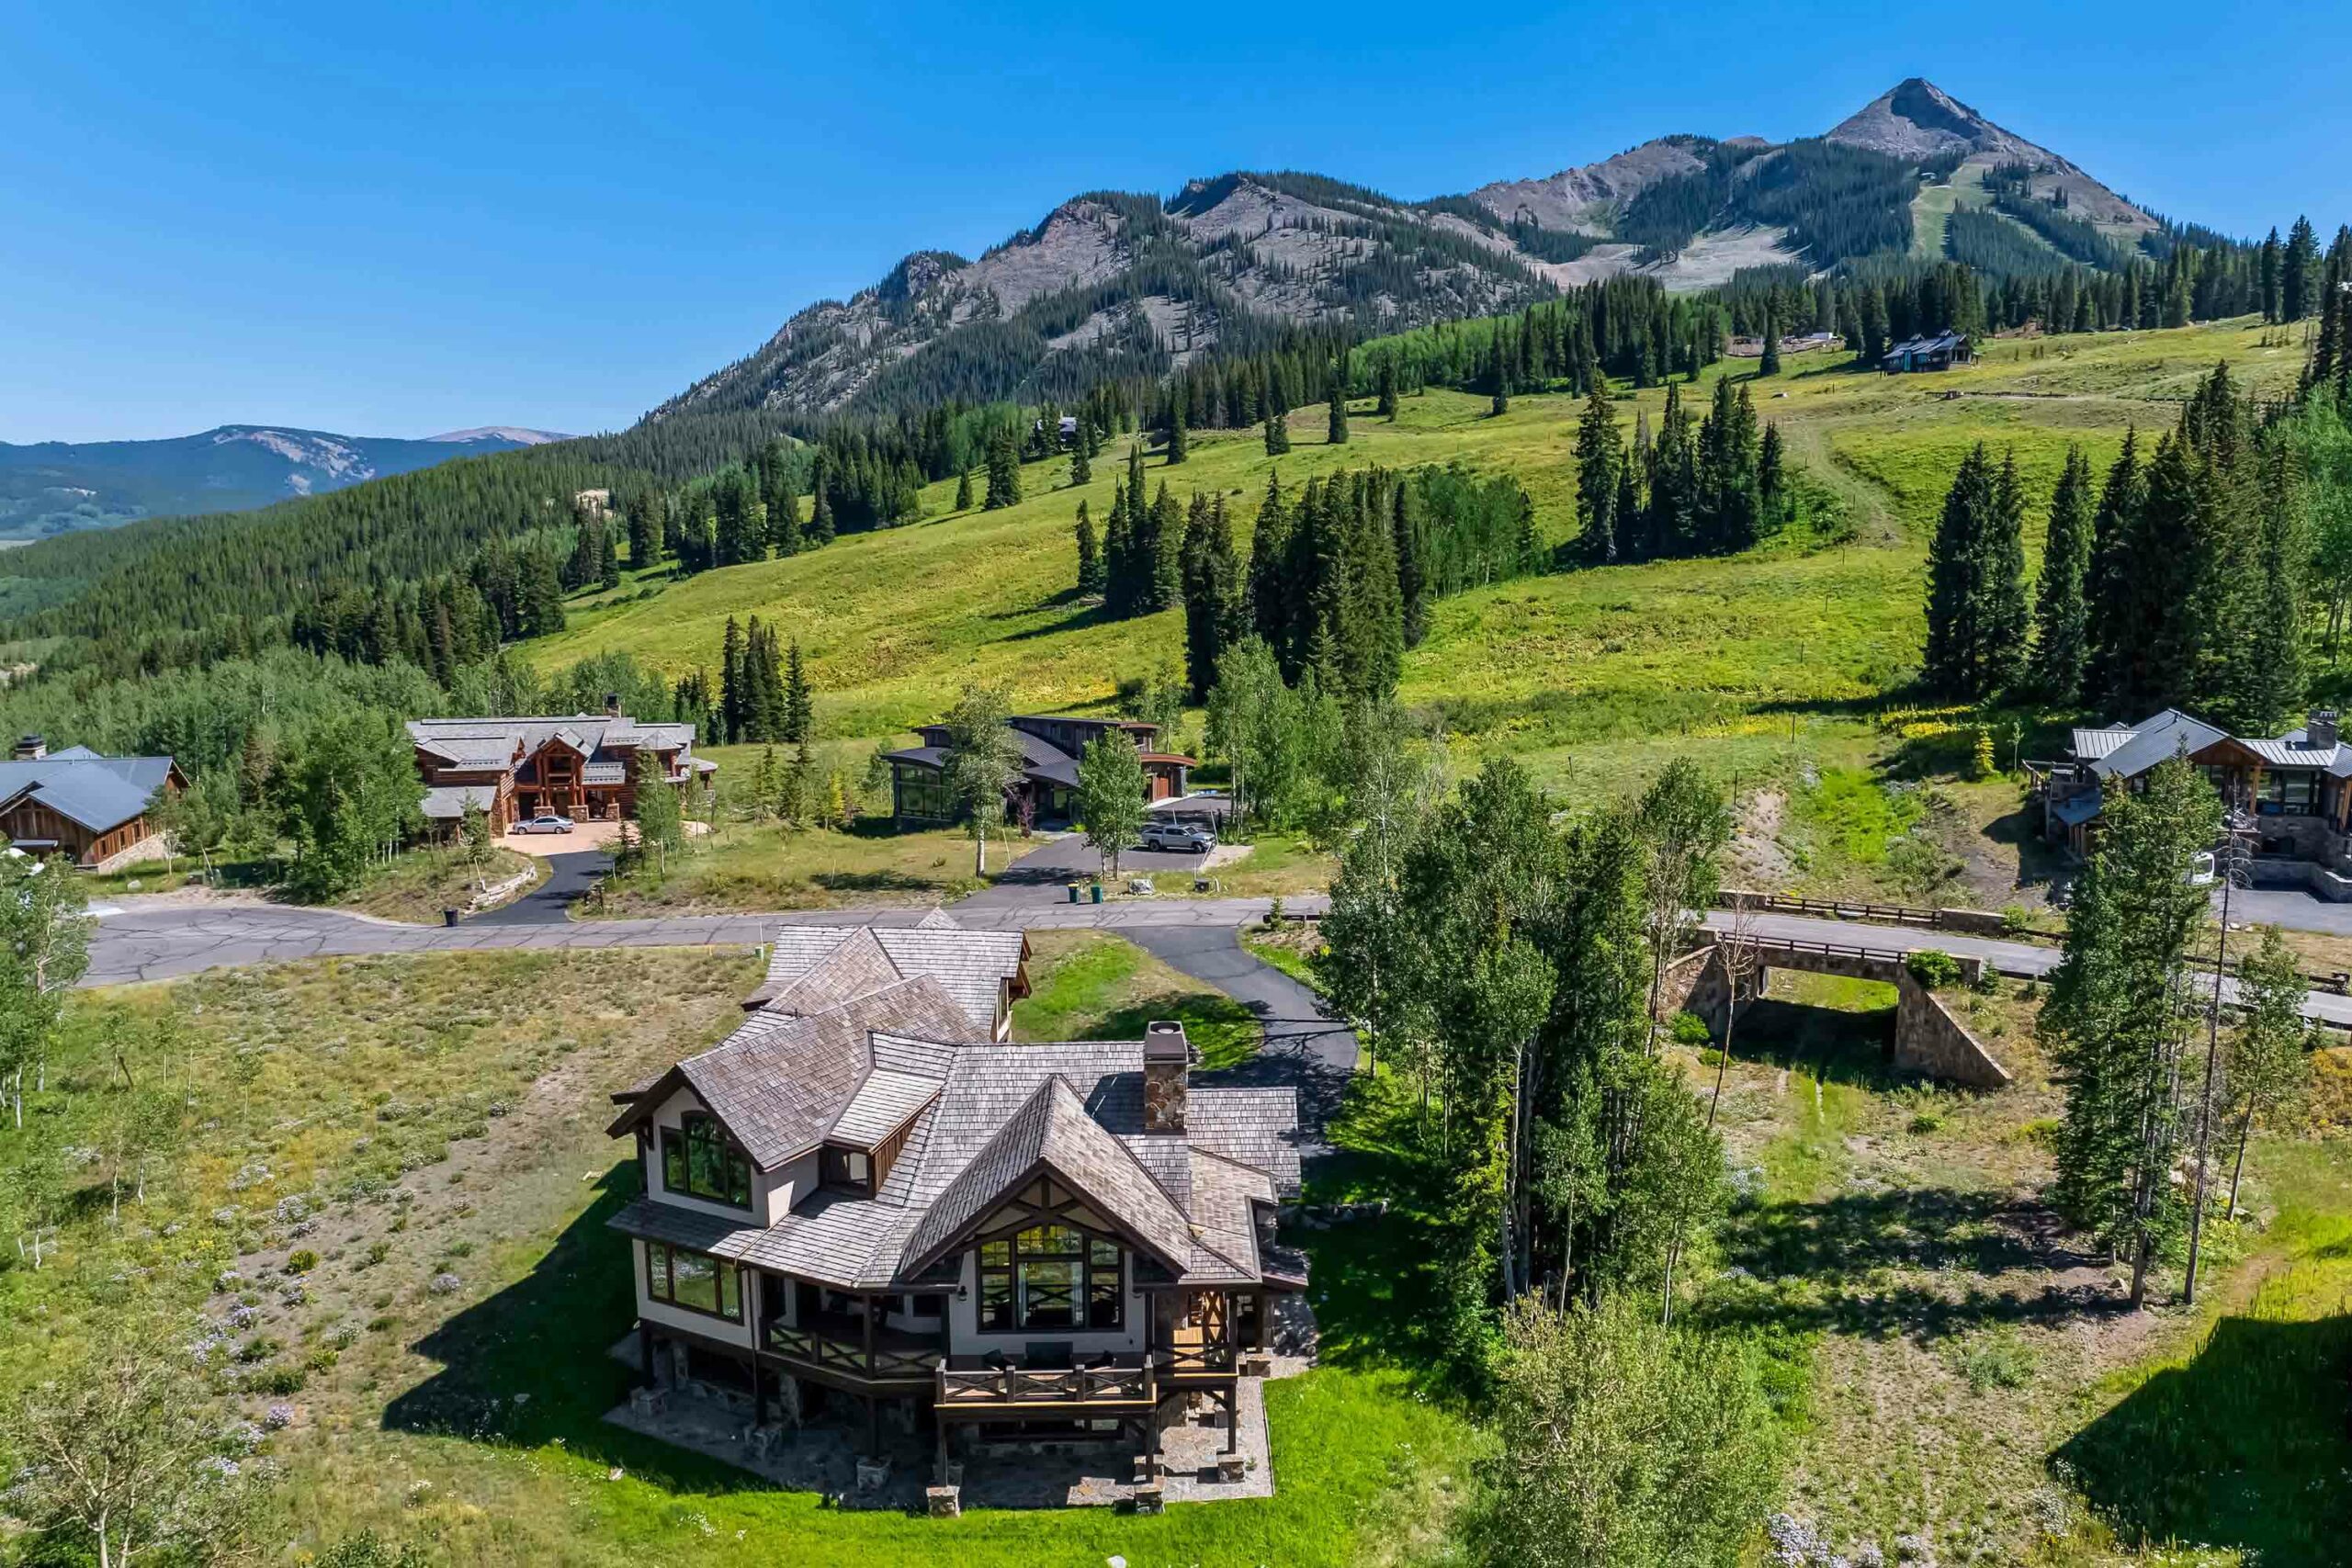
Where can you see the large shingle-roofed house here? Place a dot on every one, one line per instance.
(581, 765)
(876, 1200)
(90, 808)
(814, 967)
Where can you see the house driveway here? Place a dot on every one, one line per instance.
(1043, 874)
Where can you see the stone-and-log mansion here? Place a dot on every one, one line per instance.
(2297, 787)
(583, 766)
(1047, 793)
(865, 1203)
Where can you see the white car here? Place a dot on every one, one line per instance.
(545, 822)
(1178, 838)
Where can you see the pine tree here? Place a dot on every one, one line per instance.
(799, 704)
(2298, 276)
(1599, 454)
(1118, 557)
(2061, 616)
(1498, 376)
(1772, 482)
(964, 491)
(1004, 471)
(1090, 560)
(2120, 1011)
(1166, 562)
(1270, 581)
(1277, 433)
(2107, 600)
(785, 533)
(2271, 289)
(1976, 619)
(1384, 386)
(1337, 433)
(731, 682)
(1409, 527)
(1081, 462)
(1176, 433)
(1769, 364)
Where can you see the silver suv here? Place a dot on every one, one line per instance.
(1178, 838)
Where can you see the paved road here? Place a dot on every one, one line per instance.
(138, 940)
(570, 875)
(1046, 872)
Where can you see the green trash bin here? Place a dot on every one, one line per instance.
(1098, 893)
(1073, 892)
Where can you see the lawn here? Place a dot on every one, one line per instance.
(1093, 986)
(432, 1129)
(1974, 1381)
(766, 866)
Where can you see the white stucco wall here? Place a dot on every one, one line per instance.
(772, 1191)
(692, 1322)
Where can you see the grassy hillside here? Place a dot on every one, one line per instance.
(1584, 672)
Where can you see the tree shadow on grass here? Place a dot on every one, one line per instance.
(545, 1337)
(2246, 1446)
(876, 881)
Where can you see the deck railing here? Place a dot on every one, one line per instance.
(1072, 1385)
(888, 1364)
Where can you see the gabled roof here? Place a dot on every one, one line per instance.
(448, 802)
(1053, 1133)
(99, 794)
(603, 738)
(779, 1082)
(812, 967)
(2165, 735)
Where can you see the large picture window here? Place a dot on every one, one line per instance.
(923, 792)
(698, 1160)
(694, 1281)
(1050, 1276)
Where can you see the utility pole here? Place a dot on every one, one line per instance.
(2232, 862)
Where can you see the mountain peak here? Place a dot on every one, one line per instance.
(1915, 119)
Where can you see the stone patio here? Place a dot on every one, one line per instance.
(822, 1457)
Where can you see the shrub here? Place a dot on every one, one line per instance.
(301, 1262)
(2016, 920)
(1690, 1029)
(1998, 1358)
(278, 1380)
(1932, 968)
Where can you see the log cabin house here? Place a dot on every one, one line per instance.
(584, 766)
(95, 810)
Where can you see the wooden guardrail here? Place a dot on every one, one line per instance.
(1973, 922)
(1074, 1385)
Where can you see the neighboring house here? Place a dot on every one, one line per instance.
(2297, 787)
(813, 968)
(1048, 789)
(584, 766)
(873, 1208)
(92, 809)
(1937, 351)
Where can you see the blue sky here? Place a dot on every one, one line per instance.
(393, 221)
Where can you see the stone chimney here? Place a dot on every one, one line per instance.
(612, 704)
(2319, 733)
(1167, 1061)
(31, 749)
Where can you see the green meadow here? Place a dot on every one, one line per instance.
(1592, 675)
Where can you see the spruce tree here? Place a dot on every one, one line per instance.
(1976, 618)
(1769, 364)
(784, 533)
(2271, 290)
(1337, 432)
(2107, 599)
(964, 491)
(731, 682)
(1176, 433)
(1772, 482)
(2060, 615)
(1409, 527)
(1599, 454)
(1081, 465)
(1498, 376)
(800, 701)
(1270, 582)
(2298, 278)
(1166, 562)
(1004, 471)
(1089, 559)
(1384, 383)
(1277, 433)
(1118, 557)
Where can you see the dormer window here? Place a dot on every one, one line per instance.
(699, 1160)
(850, 1169)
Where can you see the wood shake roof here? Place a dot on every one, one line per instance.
(980, 1120)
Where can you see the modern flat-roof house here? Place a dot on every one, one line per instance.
(1935, 351)
(90, 808)
(2296, 786)
(583, 766)
(1048, 791)
(863, 1202)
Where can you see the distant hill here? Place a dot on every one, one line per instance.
(1112, 283)
(60, 487)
